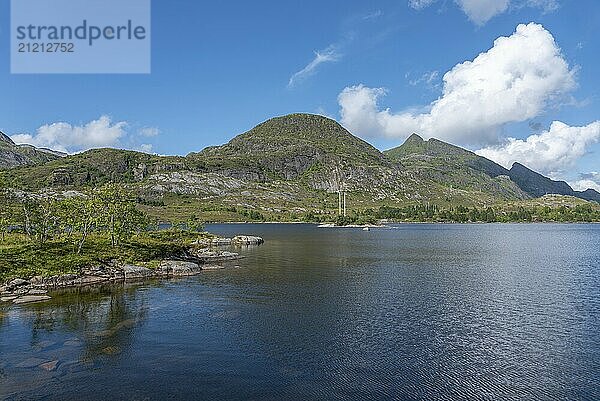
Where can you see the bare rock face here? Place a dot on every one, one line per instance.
(247, 240)
(18, 282)
(140, 172)
(179, 268)
(12, 159)
(37, 280)
(61, 177)
(136, 272)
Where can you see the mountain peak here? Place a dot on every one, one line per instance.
(5, 138)
(414, 138)
(519, 166)
(432, 147)
(290, 145)
(303, 125)
(536, 184)
(12, 155)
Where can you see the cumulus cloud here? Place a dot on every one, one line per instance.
(587, 181)
(71, 138)
(550, 152)
(513, 81)
(328, 55)
(99, 133)
(481, 11)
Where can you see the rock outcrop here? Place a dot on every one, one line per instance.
(35, 289)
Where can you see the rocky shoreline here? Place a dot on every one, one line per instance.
(206, 257)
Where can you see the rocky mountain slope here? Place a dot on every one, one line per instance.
(436, 152)
(299, 162)
(12, 155)
(537, 185)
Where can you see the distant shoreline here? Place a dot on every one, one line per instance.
(383, 225)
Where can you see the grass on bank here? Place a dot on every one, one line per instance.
(23, 257)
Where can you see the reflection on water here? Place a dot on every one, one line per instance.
(78, 330)
(412, 312)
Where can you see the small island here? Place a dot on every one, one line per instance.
(51, 242)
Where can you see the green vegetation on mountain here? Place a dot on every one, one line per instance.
(458, 169)
(416, 147)
(291, 168)
(287, 147)
(12, 155)
(92, 168)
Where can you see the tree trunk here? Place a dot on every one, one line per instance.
(27, 222)
(83, 237)
(112, 230)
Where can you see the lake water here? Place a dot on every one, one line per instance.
(410, 312)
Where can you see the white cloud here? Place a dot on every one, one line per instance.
(72, 138)
(545, 5)
(328, 55)
(98, 133)
(149, 132)
(587, 181)
(145, 148)
(420, 4)
(481, 11)
(374, 15)
(511, 82)
(583, 185)
(430, 78)
(552, 151)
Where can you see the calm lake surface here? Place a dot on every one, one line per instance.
(410, 312)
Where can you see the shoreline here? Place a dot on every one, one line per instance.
(36, 288)
(386, 224)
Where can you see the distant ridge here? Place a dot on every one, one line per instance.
(12, 155)
(415, 145)
(538, 185)
(527, 180)
(290, 159)
(5, 138)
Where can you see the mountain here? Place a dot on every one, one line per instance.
(295, 163)
(93, 167)
(589, 194)
(451, 157)
(320, 154)
(415, 145)
(450, 165)
(538, 185)
(13, 155)
(298, 146)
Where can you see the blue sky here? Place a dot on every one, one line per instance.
(219, 68)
